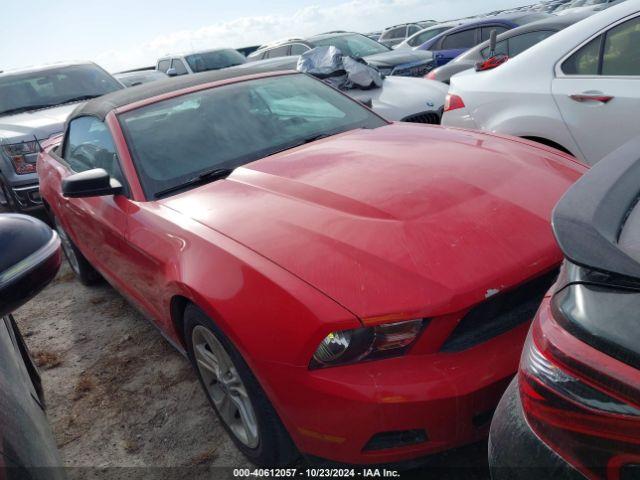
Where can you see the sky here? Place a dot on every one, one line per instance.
(122, 34)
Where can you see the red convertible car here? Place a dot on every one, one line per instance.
(346, 288)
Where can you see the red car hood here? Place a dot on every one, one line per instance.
(402, 220)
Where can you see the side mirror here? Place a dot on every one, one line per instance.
(92, 183)
(30, 259)
(493, 41)
(172, 72)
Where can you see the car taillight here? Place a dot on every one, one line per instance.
(491, 63)
(576, 404)
(453, 102)
(367, 343)
(23, 156)
(431, 75)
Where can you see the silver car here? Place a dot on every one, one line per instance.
(202, 61)
(34, 105)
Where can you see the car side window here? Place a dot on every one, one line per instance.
(298, 49)
(485, 32)
(179, 66)
(89, 145)
(164, 65)
(621, 53)
(502, 48)
(412, 29)
(398, 32)
(463, 39)
(520, 43)
(282, 51)
(585, 61)
(425, 36)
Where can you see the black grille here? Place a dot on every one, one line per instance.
(499, 314)
(384, 440)
(432, 118)
(413, 71)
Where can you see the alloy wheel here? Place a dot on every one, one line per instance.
(224, 386)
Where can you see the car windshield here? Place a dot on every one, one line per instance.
(55, 86)
(177, 140)
(215, 60)
(354, 45)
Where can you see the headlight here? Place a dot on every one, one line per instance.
(18, 153)
(367, 343)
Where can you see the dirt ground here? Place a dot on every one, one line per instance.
(119, 395)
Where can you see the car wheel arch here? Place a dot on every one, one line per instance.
(548, 143)
(177, 307)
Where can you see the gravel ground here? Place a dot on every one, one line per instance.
(119, 395)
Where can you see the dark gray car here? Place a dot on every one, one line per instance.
(511, 43)
(34, 105)
(30, 258)
(404, 63)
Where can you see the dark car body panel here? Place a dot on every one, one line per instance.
(26, 441)
(31, 258)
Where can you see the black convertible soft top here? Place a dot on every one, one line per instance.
(101, 106)
(595, 222)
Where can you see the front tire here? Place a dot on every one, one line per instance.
(235, 394)
(79, 264)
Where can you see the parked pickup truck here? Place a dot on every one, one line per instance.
(34, 105)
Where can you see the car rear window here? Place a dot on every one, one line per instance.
(206, 61)
(177, 139)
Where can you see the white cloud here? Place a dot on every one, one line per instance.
(355, 15)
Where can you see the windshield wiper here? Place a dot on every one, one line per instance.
(208, 176)
(28, 108)
(25, 108)
(315, 138)
(79, 98)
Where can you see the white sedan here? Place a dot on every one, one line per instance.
(578, 90)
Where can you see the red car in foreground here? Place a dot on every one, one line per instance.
(347, 288)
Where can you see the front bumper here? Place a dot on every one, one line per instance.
(333, 413)
(27, 197)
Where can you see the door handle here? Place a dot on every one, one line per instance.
(591, 97)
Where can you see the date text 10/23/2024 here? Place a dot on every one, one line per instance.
(316, 473)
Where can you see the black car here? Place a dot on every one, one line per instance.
(574, 408)
(405, 63)
(29, 261)
(511, 43)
